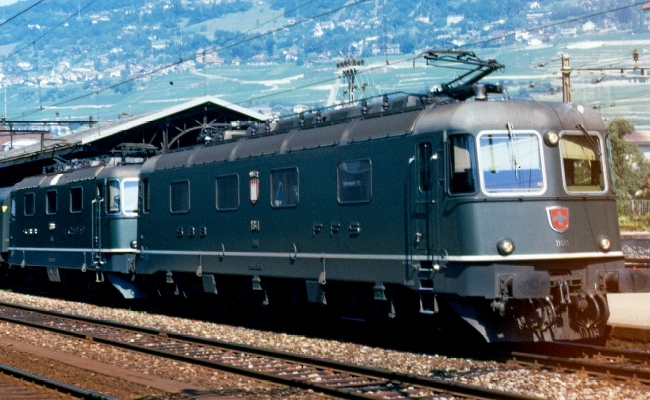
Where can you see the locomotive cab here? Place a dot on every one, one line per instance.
(5, 218)
(77, 219)
(530, 242)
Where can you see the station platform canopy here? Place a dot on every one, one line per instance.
(177, 126)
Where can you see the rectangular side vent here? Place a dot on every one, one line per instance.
(285, 126)
(339, 116)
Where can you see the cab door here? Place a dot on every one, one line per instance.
(96, 226)
(422, 204)
(422, 223)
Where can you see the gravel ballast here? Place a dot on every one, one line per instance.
(488, 374)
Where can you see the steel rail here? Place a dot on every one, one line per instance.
(586, 350)
(53, 384)
(594, 360)
(330, 377)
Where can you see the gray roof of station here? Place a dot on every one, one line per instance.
(105, 136)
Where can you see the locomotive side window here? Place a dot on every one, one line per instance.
(462, 169)
(227, 192)
(582, 163)
(284, 187)
(145, 196)
(424, 162)
(113, 196)
(30, 204)
(511, 163)
(179, 197)
(130, 197)
(610, 163)
(76, 202)
(50, 198)
(354, 180)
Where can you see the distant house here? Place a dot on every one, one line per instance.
(113, 72)
(24, 65)
(569, 32)
(63, 66)
(158, 44)
(8, 142)
(326, 25)
(588, 26)
(454, 19)
(393, 49)
(212, 58)
(535, 16)
(642, 139)
(71, 76)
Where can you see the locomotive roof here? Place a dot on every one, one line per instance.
(487, 115)
(78, 175)
(339, 128)
(403, 117)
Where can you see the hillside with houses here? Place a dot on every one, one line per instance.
(128, 40)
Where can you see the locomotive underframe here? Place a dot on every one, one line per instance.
(563, 300)
(560, 300)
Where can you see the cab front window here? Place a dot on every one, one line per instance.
(582, 163)
(511, 163)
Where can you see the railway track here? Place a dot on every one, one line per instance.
(329, 377)
(12, 386)
(629, 365)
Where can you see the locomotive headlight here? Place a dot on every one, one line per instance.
(505, 246)
(134, 244)
(604, 243)
(551, 138)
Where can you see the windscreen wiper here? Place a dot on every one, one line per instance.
(593, 144)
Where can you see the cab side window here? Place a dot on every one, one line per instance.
(227, 192)
(76, 199)
(145, 196)
(50, 197)
(425, 152)
(354, 180)
(113, 196)
(179, 197)
(30, 204)
(284, 187)
(462, 170)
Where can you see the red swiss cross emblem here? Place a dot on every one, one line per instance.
(558, 217)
